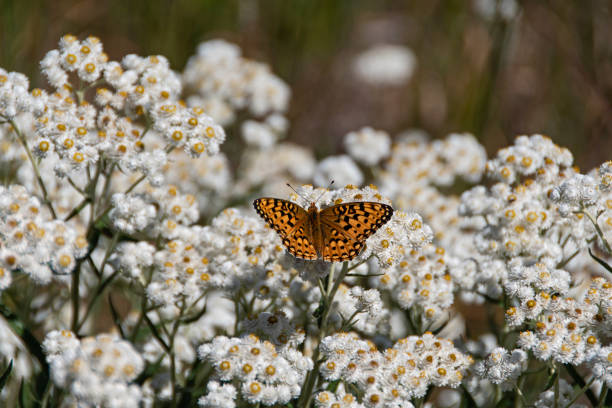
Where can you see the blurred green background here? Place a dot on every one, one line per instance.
(546, 70)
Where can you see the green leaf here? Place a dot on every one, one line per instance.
(551, 380)
(6, 374)
(505, 402)
(115, 315)
(467, 401)
(333, 385)
(22, 403)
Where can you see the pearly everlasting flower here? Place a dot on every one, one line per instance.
(239, 245)
(367, 145)
(528, 154)
(563, 328)
(97, 371)
(385, 64)
(219, 71)
(134, 259)
(399, 373)
(218, 396)
(275, 327)
(340, 169)
(188, 128)
(403, 232)
(209, 179)
(273, 167)
(131, 213)
(75, 135)
(574, 194)
(360, 310)
(601, 364)
(14, 95)
(32, 242)
(261, 372)
(503, 367)
(420, 279)
(463, 154)
(340, 399)
(85, 58)
(181, 272)
(258, 134)
(605, 175)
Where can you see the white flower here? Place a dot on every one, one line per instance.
(32, 242)
(14, 96)
(502, 367)
(97, 371)
(385, 64)
(265, 373)
(218, 396)
(367, 145)
(219, 72)
(421, 361)
(258, 134)
(131, 213)
(340, 169)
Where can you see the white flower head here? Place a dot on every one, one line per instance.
(340, 169)
(385, 64)
(367, 145)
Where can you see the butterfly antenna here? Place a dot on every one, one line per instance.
(295, 191)
(325, 191)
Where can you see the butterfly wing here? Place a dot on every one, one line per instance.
(289, 220)
(346, 226)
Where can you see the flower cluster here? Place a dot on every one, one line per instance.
(396, 375)
(503, 367)
(520, 221)
(32, 242)
(14, 95)
(96, 370)
(221, 76)
(420, 279)
(417, 168)
(367, 145)
(123, 202)
(361, 310)
(262, 372)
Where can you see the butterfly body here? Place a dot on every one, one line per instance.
(336, 233)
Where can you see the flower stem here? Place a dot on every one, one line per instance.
(327, 302)
(599, 232)
(39, 179)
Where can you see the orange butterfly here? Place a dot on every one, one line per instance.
(336, 233)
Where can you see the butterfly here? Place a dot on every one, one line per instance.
(336, 233)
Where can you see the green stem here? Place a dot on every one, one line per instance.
(39, 179)
(599, 232)
(77, 210)
(602, 395)
(557, 375)
(77, 188)
(76, 276)
(579, 393)
(109, 206)
(327, 302)
(571, 370)
(95, 297)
